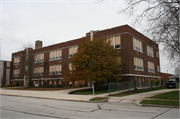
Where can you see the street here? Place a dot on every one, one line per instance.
(14, 107)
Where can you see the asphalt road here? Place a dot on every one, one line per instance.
(14, 107)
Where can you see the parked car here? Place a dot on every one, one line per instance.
(171, 83)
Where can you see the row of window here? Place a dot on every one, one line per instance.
(138, 65)
(55, 55)
(55, 82)
(38, 71)
(55, 69)
(115, 42)
(137, 45)
(50, 82)
(39, 58)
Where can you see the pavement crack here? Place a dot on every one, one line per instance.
(66, 109)
(34, 114)
(161, 113)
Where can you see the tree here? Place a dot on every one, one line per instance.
(163, 21)
(177, 70)
(96, 61)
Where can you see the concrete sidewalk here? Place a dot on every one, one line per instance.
(64, 95)
(137, 98)
(60, 94)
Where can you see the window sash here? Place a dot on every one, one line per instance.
(74, 50)
(112, 41)
(70, 66)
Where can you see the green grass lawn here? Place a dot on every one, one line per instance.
(98, 98)
(90, 92)
(174, 95)
(161, 102)
(136, 92)
(101, 91)
(172, 98)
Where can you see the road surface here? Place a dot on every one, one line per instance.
(14, 107)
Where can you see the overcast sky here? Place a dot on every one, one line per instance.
(56, 21)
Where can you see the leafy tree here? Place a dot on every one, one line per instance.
(163, 23)
(96, 61)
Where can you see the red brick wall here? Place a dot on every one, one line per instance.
(165, 76)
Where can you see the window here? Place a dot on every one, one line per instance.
(39, 58)
(70, 67)
(137, 45)
(150, 51)
(158, 68)
(116, 41)
(151, 67)
(17, 61)
(16, 73)
(138, 64)
(72, 51)
(26, 68)
(50, 82)
(55, 55)
(54, 82)
(119, 62)
(27, 58)
(38, 71)
(41, 82)
(55, 69)
(157, 54)
(59, 82)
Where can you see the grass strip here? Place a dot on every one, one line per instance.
(161, 102)
(90, 92)
(98, 98)
(174, 95)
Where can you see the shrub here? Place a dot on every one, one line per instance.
(155, 81)
(17, 83)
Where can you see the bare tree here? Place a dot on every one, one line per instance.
(163, 20)
(177, 70)
(27, 64)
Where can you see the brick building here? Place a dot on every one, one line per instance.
(165, 76)
(44, 64)
(5, 72)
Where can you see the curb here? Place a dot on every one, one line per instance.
(45, 98)
(105, 100)
(166, 106)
